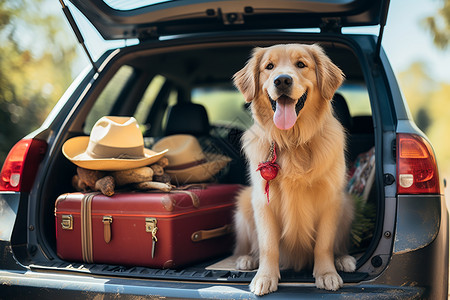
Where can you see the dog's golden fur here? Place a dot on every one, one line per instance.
(307, 221)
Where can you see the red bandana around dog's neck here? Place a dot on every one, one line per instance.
(269, 168)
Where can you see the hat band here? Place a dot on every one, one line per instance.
(186, 165)
(101, 151)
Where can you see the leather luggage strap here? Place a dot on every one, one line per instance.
(202, 235)
(168, 202)
(194, 197)
(86, 227)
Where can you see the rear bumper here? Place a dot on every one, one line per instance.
(421, 247)
(14, 285)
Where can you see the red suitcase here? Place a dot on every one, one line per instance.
(152, 229)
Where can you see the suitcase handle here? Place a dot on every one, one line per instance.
(202, 235)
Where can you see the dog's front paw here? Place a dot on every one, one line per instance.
(329, 281)
(345, 263)
(246, 262)
(264, 284)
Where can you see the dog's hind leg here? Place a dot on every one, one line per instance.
(345, 263)
(246, 262)
(247, 256)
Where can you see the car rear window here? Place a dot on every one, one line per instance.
(357, 98)
(225, 106)
(108, 97)
(143, 109)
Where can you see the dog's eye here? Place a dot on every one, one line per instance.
(269, 66)
(301, 65)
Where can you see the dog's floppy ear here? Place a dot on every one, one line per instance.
(247, 79)
(329, 76)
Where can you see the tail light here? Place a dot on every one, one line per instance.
(21, 164)
(417, 171)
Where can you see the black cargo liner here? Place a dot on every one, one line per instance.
(196, 272)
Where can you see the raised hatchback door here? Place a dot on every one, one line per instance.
(149, 19)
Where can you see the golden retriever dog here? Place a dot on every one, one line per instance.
(302, 216)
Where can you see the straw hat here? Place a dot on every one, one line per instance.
(187, 161)
(115, 143)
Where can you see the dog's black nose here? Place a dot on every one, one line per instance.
(283, 81)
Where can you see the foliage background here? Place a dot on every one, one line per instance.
(35, 67)
(428, 96)
(39, 58)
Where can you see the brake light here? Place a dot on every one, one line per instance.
(417, 171)
(21, 164)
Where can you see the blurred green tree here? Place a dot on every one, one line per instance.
(439, 25)
(35, 66)
(437, 102)
(438, 108)
(428, 102)
(418, 86)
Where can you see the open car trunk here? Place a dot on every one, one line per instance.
(145, 81)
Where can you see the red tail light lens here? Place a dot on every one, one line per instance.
(417, 171)
(21, 164)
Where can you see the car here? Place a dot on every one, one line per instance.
(186, 54)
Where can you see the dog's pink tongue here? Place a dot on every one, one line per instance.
(285, 115)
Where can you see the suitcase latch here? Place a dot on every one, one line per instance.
(107, 220)
(67, 222)
(150, 226)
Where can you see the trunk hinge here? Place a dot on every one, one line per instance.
(331, 25)
(384, 3)
(77, 32)
(150, 33)
(232, 18)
